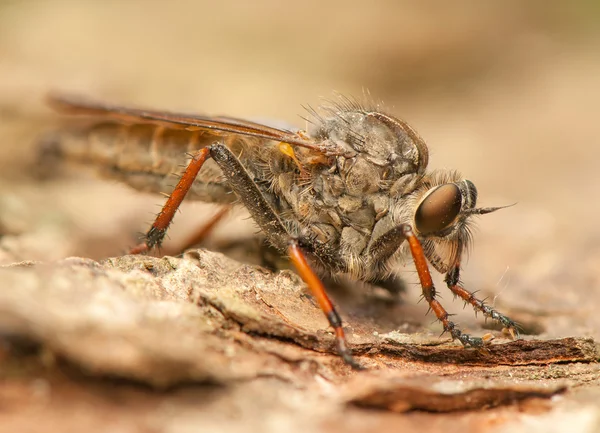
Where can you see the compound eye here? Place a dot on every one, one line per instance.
(439, 209)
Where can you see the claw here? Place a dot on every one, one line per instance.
(487, 339)
(512, 331)
(346, 355)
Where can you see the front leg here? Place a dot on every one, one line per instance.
(388, 244)
(452, 280)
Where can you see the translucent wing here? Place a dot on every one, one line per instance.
(75, 105)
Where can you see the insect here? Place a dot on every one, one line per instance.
(350, 196)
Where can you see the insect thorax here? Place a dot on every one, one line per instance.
(341, 204)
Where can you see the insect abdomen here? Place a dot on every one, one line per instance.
(143, 156)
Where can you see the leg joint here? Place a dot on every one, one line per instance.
(452, 277)
(334, 319)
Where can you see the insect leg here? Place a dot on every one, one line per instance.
(429, 290)
(271, 224)
(157, 232)
(452, 280)
(318, 290)
(387, 244)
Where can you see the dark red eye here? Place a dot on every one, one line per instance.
(439, 209)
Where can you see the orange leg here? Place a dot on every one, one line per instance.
(429, 291)
(318, 290)
(157, 232)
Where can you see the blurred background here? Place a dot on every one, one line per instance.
(506, 92)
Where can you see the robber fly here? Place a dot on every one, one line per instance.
(350, 196)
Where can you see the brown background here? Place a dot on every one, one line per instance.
(507, 92)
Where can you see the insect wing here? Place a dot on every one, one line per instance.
(73, 105)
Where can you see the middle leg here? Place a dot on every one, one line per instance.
(270, 223)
